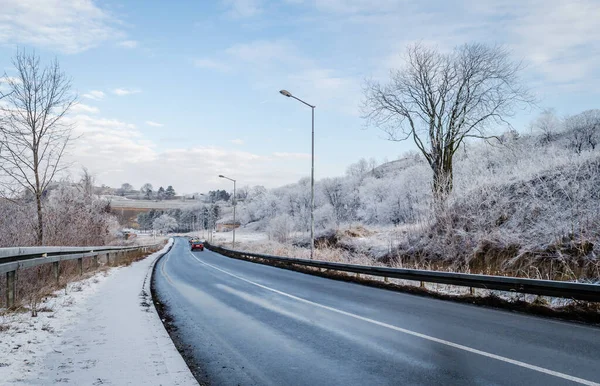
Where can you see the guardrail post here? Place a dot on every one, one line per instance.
(96, 262)
(56, 270)
(472, 290)
(422, 284)
(11, 289)
(385, 279)
(358, 275)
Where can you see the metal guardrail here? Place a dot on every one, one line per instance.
(21, 253)
(561, 289)
(14, 259)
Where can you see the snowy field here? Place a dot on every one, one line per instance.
(102, 330)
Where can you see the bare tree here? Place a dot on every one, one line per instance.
(584, 130)
(125, 188)
(34, 132)
(146, 191)
(86, 183)
(440, 99)
(547, 124)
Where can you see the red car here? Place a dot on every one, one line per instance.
(197, 245)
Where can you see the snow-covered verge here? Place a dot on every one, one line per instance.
(102, 330)
(356, 244)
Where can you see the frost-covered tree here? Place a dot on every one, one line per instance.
(584, 130)
(71, 217)
(280, 228)
(334, 191)
(440, 99)
(547, 124)
(164, 223)
(33, 131)
(74, 217)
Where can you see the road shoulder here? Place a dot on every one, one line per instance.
(113, 336)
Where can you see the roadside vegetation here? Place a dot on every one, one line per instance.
(38, 205)
(524, 205)
(475, 197)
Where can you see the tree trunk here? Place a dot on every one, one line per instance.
(40, 225)
(38, 197)
(442, 180)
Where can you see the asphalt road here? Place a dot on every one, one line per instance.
(250, 324)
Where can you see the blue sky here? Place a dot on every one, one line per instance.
(178, 92)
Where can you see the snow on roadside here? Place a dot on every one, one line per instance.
(24, 339)
(100, 330)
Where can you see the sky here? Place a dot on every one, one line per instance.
(178, 92)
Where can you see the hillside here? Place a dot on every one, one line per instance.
(528, 205)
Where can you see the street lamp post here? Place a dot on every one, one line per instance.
(312, 173)
(234, 205)
(203, 222)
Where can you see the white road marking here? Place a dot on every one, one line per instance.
(409, 332)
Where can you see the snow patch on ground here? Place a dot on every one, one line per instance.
(101, 330)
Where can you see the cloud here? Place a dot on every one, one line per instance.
(559, 38)
(125, 91)
(267, 52)
(272, 63)
(154, 124)
(95, 95)
(356, 6)
(128, 43)
(69, 26)
(211, 64)
(6, 79)
(117, 152)
(81, 108)
(243, 8)
(260, 54)
(292, 155)
(237, 141)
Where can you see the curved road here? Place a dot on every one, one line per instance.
(250, 324)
